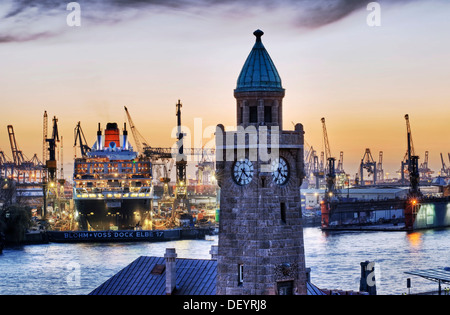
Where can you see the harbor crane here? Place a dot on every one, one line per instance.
(424, 169)
(139, 140)
(309, 162)
(3, 158)
(368, 164)
(318, 171)
(20, 171)
(444, 170)
(330, 164)
(44, 137)
(206, 169)
(340, 167)
(380, 170)
(410, 151)
(20, 168)
(52, 143)
(180, 163)
(166, 179)
(175, 155)
(164, 154)
(414, 194)
(410, 159)
(16, 153)
(79, 137)
(50, 181)
(325, 140)
(413, 163)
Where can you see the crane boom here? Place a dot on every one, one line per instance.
(325, 140)
(44, 137)
(79, 136)
(138, 138)
(410, 140)
(17, 154)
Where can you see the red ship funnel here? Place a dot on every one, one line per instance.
(112, 137)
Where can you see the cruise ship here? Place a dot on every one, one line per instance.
(112, 184)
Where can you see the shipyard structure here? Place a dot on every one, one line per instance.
(408, 209)
(37, 184)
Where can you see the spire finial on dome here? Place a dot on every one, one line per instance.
(259, 72)
(258, 33)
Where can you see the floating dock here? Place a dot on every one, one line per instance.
(127, 235)
(386, 215)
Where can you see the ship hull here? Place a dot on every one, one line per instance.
(102, 215)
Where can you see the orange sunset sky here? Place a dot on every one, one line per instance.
(148, 54)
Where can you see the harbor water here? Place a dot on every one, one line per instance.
(334, 259)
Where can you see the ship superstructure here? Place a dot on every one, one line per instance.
(112, 183)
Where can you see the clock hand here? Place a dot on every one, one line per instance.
(276, 175)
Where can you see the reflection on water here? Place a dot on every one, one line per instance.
(415, 239)
(55, 268)
(334, 259)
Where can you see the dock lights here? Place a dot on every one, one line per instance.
(414, 202)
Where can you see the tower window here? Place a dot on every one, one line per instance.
(240, 274)
(285, 288)
(267, 114)
(283, 212)
(241, 120)
(253, 114)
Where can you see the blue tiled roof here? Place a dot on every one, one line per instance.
(259, 72)
(194, 277)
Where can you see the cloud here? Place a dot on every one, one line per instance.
(28, 20)
(25, 37)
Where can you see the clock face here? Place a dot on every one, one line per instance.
(280, 171)
(243, 172)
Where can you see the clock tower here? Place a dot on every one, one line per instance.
(260, 170)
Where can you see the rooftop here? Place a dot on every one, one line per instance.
(259, 72)
(439, 275)
(147, 276)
